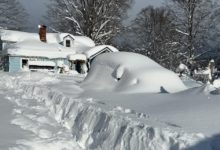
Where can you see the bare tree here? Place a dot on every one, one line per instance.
(195, 20)
(100, 20)
(153, 34)
(13, 15)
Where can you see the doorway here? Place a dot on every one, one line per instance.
(24, 63)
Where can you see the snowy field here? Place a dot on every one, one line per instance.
(40, 111)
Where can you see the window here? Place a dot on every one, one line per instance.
(35, 67)
(24, 63)
(1, 44)
(68, 43)
(6, 63)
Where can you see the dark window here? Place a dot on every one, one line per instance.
(78, 66)
(68, 43)
(24, 63)
(34, 67)
(6, 63)
(1, 44)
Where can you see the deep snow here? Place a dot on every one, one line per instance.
(121, 105)
(26, 123)
(131, 73)
(57, 114)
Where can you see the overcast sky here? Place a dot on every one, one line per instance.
(37, 9)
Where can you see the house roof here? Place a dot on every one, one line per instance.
(18, 36)
(99, 49)
(32, 48)
(77, 57)
(29, 44)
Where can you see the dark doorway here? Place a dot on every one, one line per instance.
(78, 66)
(24, 63)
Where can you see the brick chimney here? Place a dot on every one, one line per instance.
(43, 33)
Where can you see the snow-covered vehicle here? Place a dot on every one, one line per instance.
(132, 73)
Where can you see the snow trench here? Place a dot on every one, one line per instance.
(94, 128)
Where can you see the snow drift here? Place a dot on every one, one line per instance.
(131, 73)
(96, 127)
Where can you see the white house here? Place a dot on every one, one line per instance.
(31, 51)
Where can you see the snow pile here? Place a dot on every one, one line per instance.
(94, 125)
(190, 82)
(37, 130)
(217, 83)
(132, 73)
(95, 128)
(23, 78)
(213, 88)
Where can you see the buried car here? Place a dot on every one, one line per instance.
(131, 73)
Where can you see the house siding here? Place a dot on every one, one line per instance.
(14, 64)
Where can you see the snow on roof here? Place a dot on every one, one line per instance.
(131, 73)
(98, 49)
(18, 36)
(77, 57)
(29, 44)
(79, 40)
(42, 63)
(39, 49)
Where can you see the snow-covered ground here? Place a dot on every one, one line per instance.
(26, 122)
(42, 111)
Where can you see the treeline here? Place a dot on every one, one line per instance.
(13, 15)
(180, 31)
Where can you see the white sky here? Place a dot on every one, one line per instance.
(37, 9)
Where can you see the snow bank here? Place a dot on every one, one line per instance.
(217, 83)
(132, 73)
(96, 128)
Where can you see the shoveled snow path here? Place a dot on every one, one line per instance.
(26, 123)
(8, 133)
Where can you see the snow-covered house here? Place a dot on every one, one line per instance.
(32, 51)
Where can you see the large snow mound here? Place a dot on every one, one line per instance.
(94, 124)
(131, 73)
(94, 127)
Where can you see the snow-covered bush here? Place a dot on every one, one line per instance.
(131, 73)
